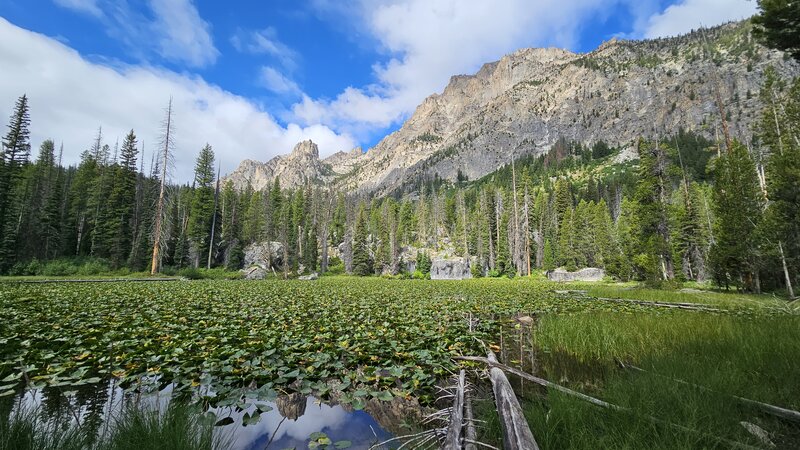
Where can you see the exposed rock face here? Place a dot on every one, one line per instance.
(344, 162)
(587, 274)
(297, 168)
(450, 269)
(254, 273)
(266, 255)
(528, 100)
(311, 277)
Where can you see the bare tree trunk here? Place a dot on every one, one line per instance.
(786, 272)
(156, 260)
(517, 240)
(213, 221)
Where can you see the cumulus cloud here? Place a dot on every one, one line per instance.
(71, 97)
(687, 15)
(182, 34)
(428, 41)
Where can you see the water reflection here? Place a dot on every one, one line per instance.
(285, 432)
(288, 422)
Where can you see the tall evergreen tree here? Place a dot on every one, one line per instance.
(202, 212)
(362, 260)
(737, 207)
(14, 156)
(653, 215)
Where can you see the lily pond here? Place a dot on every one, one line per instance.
(353, 363)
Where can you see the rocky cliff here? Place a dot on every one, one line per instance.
(526, 101)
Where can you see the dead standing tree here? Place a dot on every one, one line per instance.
(166, 148)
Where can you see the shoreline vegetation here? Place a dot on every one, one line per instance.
(389, 339)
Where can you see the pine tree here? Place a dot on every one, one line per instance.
(778, 25)
(202, 211)
(121, 203)
(737, 207)
(779, 130)
(362, 261)
(653, 216)
(14, 156)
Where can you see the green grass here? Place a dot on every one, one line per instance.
(706, 297)
(377, 338)
(755, 357)
(135, 428)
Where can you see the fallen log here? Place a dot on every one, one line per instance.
(777, 411)
(497, 366)
(517, 434)
(685, 306)
(453, 439)
(470, 434)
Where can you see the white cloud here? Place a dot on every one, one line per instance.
(686, 15)
(182, 34)
(266, 42)
(278, 83)
(172, 29)
(83, 6)
(428, 41)
(70, 97)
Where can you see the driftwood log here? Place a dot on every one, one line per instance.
(777, 411)
(497, 366)
(517, 434)
(453, 439)
(686, 306)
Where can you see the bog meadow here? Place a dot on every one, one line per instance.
(598, 249)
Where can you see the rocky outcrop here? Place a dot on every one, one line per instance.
(450, 269)
(528, 100)
(266, 255)
(254, 273)
(344, 162)
(294, 170)
(587, 274)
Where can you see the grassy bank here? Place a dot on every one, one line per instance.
(754, 357)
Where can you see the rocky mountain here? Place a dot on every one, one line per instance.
(294, 170)
(526, 101)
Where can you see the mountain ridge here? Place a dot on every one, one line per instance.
(527, 100)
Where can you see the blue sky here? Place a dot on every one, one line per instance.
(254, 77)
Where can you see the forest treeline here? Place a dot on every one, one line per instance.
(688, 209)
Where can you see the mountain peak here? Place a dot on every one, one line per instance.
(306, 149)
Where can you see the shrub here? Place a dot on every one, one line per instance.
(59, 268)
(93, 267)
(419, 275)
(190, 273)
(335, 267)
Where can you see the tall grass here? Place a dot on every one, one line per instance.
(135, 428)
(752, 357)
(713, 298)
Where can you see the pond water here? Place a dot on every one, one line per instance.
(287, 422)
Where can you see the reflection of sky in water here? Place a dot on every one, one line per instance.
(357, 426)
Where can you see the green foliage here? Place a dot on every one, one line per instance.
(778, 25)
(202, 212)
(738, 207)
(424, 263)
(362, 260)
